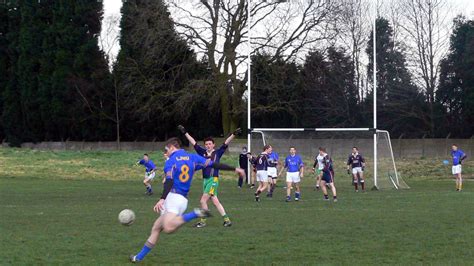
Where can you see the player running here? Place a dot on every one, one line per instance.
(150, 169)
(261, 167)
(210, 175)
(273, 163)
(318, 162)
(458, 156)
(179, 170)
(294, 173)
(357, 163)
(328, 176)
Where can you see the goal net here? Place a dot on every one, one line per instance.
(380, 173)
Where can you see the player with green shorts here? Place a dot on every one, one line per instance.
(210, 175)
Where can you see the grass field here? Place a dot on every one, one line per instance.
(61, 208)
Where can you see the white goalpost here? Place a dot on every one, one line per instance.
(389, 163)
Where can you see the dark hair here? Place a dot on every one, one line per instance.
(322, 149)
(355, 148)
(292, 147)
(266, 147)
(175, 142)
(208, 139)
(454, 145)
(145, 154)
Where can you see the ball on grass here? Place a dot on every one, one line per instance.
(445, 162)
(126, 217)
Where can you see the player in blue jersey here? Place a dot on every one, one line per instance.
(328, 176)
(458, 156)
(211, 176)
(355, 165)
(261, 167)
(295, 170)
(150, 170)
(179, 170)
(273, 164)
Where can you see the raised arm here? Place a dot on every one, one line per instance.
(186, 134)
(232, 136)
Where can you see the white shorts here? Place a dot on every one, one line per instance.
(357, 170)
(293, 177)
(272, 172)
(262, 176)
(175, 203)
(150, 176)
(457, 169)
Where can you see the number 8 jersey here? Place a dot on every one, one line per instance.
(181, 167)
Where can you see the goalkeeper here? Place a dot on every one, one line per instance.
(357, 163)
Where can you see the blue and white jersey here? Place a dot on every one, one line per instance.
(458, 156)
(181, 167)
(149, 166)
(293, 163)
(273, 159)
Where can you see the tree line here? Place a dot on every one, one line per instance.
(56, 84)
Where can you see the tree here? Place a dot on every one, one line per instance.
(154, 71)
(12, 118)
(455, 92)
(401, 107)
(278, 94)
(219, 29)
(330, 90)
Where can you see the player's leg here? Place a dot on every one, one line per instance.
(296, 182)
(324, 189)
(362, 180)
(318, 178)
(459, 181)
(288, 190)
(355, 180)
(203, 201)
(269, 185)
(221, 211)
(333, 190)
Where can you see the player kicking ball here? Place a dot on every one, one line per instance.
(328, 176)
(356, 164)
(150, 169)
(294, 173)
(458, 156)
(210, 175)
(179, 170)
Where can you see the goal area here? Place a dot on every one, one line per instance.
(380, 170)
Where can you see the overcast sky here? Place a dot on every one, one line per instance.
(112, 7)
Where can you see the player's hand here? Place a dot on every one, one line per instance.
(363, 167)
(314, 171)
(182, 129)
(237, 131)
(348, 171)
(240, 172)
(159, 206)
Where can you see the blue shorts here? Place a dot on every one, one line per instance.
(327, 177)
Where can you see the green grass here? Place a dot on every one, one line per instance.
(50, 216)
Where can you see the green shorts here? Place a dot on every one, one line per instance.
(210, 185)
(318, 171)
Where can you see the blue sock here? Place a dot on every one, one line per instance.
(146, 248)
(189, 216)
(297, 195)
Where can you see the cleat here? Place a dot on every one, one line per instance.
(133, 259)
(325, 199)
(297, 199)
(201, 213)
(335, 200)
(317, 188)
(199, 225)
(288, 199)
(227, 223)
(356, 190)
(252, 186)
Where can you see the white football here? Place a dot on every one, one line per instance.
(126, 217)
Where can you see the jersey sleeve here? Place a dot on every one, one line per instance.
(362, 159)
(222, 149)
(200, 162)
(199, 149)
(141, 161)
(349, 160)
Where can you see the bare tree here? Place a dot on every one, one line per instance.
(425, 29)
(354, 27)
(219, 28)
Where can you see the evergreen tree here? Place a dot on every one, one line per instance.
(456, 87)
(154, 68)
(401, 107)
(277, 93)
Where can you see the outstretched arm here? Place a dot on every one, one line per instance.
(232, 136)
(186, 134)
